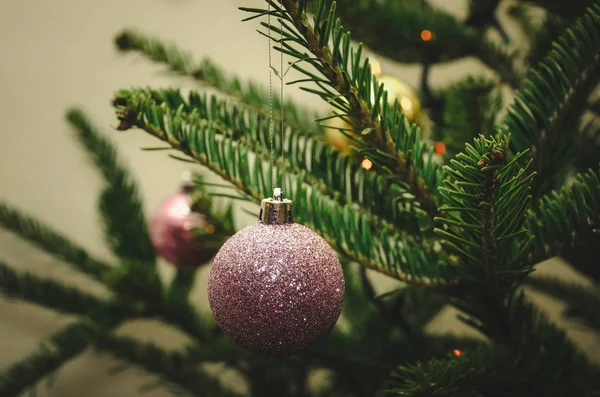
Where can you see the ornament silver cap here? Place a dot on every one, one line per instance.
(187, 182)
(276, 210)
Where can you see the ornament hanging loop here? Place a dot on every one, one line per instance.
(280, 75)
(276, 210)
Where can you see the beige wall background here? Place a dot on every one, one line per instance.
(59, 53)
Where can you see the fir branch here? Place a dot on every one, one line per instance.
(47, 293)
(570, 9)
(374, 22)
(248, 93)
(134, 281)
(50, 356)
(381, 25)
(500, 60)
(486, 198)
(349, 232)
(542, 39)
(446, 377)
(125, 226)
(347, 83)
(582, 302)
(185, 317)
(51, 242)
(522, 15)
(469, 109)
(332, 173)
(173, 366)
(564, 216)
(536, 359)
(559, 85)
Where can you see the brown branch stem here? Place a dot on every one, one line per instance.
(379, 137)
(256, 197)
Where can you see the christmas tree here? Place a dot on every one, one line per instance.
(457, 202)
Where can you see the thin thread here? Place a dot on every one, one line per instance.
(281, 75)
(271, 127)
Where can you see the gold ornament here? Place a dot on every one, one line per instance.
(408, 102)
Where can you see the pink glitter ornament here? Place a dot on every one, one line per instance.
(171, 231)
(276, 286)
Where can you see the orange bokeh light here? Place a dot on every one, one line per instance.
(440, 148)
(210, 229)
(426, 35)
(367, 164)
(457, 352)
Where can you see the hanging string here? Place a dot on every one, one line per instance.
(271, 123)
(271, 127)
(281, 99)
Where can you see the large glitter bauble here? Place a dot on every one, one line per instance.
(408, 102)
(171, 232)
(274, 289)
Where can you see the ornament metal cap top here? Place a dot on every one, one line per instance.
(276, 210)
(187, 183)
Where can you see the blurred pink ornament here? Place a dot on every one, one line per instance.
(171, 232)
(276, 286)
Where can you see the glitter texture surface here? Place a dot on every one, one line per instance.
(275, 289)
(171, 232)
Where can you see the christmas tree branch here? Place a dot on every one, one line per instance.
(47, 293)
(49, 357)
(502, 61)
(468, 109)
(542, 39)
(564, 216)
(324, 169)
(536, 360)
(564, 9)
(134, 281)
(51, 242)
(125, 225)
(582, 302)
(125, 278)
(185, 317)
(559, 85)
(458, 375)
(174, 366)
(349, 232)
(345, 80)
(374, 22)
(486, 198)
(248, 93)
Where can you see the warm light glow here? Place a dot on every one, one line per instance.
(426, 35)
(457, 352)
(440, 148)
(367, 164)
(376, 68)
(210, 229)
(406, 103)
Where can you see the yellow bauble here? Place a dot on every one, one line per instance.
(335, 137)
(408, 102)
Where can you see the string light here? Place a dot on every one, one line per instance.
(440, 148)
(376, 68)
(367, 164)
(426, 35)
(210, 229)
(406, 103)
(457, 352)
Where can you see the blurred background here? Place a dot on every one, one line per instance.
(60, 53)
